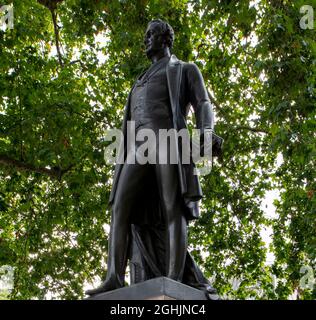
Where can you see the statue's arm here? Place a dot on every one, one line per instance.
(199, 98)
(202, 107)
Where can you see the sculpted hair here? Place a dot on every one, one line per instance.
(165, 30)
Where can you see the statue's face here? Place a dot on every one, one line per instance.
(154, 41)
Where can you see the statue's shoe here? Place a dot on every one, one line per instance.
(107, 285)
(210, 292)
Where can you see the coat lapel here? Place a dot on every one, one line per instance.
(174, 71)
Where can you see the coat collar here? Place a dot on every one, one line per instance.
(173, 60)
(152, 70)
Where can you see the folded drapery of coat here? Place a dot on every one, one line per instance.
(147, 254)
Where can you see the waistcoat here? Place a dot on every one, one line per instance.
(150, 102)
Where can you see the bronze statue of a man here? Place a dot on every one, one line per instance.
(152, 203)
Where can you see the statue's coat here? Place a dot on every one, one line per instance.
(186, 87)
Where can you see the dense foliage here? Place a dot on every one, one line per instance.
(65, 71)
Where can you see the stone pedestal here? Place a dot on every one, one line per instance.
(161, 288)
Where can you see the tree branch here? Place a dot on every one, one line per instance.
(216, 104)
(83, 67)
(260, 130)
(54, 17)
(51, 5)
(55, 172)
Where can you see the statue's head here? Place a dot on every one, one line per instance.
(159, 35)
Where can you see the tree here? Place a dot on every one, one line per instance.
(66, 68)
